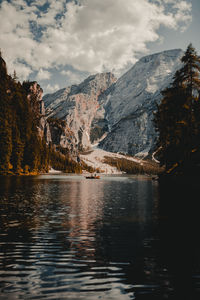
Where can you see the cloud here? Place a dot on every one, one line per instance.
(43, 75)
(89, 35)
(52, 88)
(183, 13)
(73, 77)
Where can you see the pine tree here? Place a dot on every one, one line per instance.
(177, 119)
(5, 119)
(21, 148)
(44, 157)
(5, 145)
(17, 150)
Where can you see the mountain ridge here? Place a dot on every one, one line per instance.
(79, 105)
(121, 110)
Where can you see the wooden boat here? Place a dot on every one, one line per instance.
(93, 177)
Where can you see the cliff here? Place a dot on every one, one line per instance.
(116, 113)
(130, 105)
(81, 107)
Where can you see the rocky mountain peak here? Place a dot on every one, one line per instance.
(129, 109)
(94, 84)
(147, 77)
(34, 95)
(78, 105)
(117, 112)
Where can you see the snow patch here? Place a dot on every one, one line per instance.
(53, 171)
(96, 157)
(107, 100)
(152, 87)
(94, 146)
(153, 157)
(87, 135)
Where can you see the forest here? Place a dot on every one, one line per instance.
(22, 149)
(177, 119)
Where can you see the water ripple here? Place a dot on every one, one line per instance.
(63, 237)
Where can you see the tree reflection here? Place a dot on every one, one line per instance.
(119, 235)
(178, 234)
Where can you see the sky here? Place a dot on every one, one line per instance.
(61, 42)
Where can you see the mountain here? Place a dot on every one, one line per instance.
(117, 112)
(130, 107)
(23, 128)
(34, 96)
(81, 107)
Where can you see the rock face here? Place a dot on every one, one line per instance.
(80, 106)
(35, 93)
(129, 109)
(119, 113)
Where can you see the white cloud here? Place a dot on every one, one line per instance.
(183, 16)
(43, 75)
(48, 17)
(93, 36)
(52, 88)
(16, 39)
(73, 78)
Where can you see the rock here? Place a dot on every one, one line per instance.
(35, 94)
(80, 106)
(130, 106)
(116, 113)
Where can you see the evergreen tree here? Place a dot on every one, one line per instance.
(44, 158)
(17, 150)
(177, 119)
(32, 152)
(5, 145)
(22, 150)
(5, 119)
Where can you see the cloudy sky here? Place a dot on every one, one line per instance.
(61, 42)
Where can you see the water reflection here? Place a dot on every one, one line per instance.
(178, 237)
(64, 237)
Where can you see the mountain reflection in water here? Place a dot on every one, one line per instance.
(64, 237)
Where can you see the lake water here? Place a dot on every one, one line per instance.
(120, 237)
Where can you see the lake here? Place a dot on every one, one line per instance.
(119, 237)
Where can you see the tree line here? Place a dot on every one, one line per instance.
(177, 119)
(22, 150)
